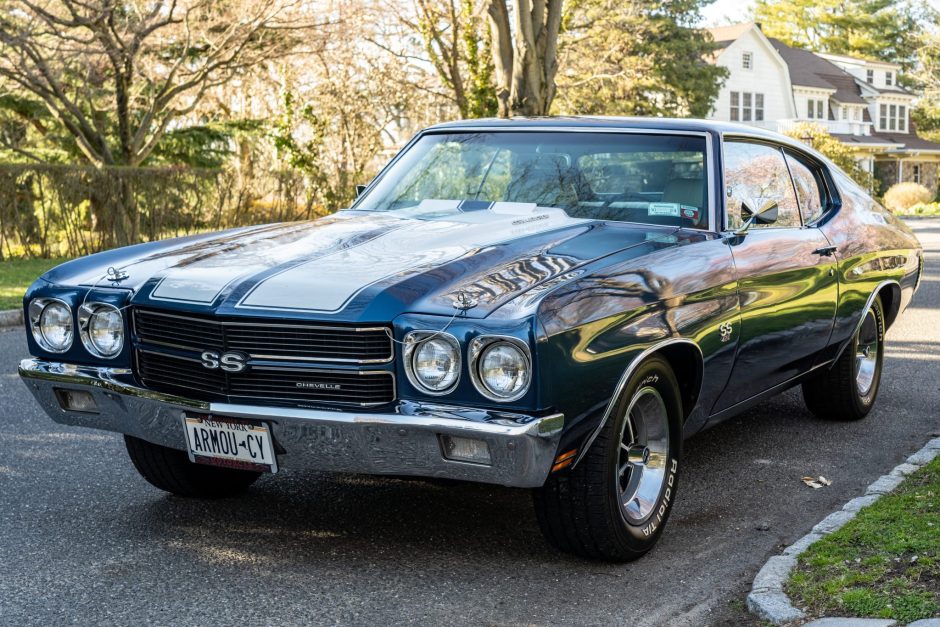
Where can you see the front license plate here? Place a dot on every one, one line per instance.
(230, 443)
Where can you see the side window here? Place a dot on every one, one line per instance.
(809, 186)
(756, 174)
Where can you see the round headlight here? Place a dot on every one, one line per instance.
(51, 322)
(503, 370)
(434, 361)
(102, 329)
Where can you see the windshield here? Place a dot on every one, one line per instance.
(647, 178)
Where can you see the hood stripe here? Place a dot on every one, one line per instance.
(330, 282)
(204, 280)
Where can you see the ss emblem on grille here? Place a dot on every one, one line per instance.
(229, 362)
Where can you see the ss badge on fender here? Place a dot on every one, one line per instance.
(726, 329)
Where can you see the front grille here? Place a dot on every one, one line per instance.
(288, 362)
(186, 376)
(291, 341)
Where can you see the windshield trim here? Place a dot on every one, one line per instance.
(710, 160)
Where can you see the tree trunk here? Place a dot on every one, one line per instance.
(525, 54)
(502, 54)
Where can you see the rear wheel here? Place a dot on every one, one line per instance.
(614, 504)
(848, 389)
(171, 470)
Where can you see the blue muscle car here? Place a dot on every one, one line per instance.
(548, 303)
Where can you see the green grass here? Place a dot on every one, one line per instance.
(885, 563)
(16, 275)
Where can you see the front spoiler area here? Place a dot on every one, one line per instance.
(403, 441)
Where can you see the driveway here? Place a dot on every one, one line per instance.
(84, 539)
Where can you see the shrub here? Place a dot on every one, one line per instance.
(901, 196)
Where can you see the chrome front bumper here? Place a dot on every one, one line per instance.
(405, 441)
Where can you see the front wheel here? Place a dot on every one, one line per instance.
(170, 470)
(847, 390)
(614, 504)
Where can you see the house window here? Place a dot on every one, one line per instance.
(815, 109)
(870, 77)
(889, 77)
(845, 113)
(747, 106)
(747, 60)
(915, 173)
(892, 118)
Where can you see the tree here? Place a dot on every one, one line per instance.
(886, 30)
(457, 44)
(818, 138)
(114, 76)
(637, 57)
(927, 80)
(525, 54)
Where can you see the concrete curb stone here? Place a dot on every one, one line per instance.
(768, 600)
(852, 622)
(11, 318)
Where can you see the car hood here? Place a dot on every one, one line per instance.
(363, 266)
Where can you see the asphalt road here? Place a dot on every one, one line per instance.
(84, 539)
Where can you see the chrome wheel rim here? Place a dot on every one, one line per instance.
(866, 353)
(642, 456)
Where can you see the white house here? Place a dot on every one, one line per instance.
(775, 86)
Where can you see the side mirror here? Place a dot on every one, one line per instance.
(360, 189)
(766, 214)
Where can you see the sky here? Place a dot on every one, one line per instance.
(731, 11)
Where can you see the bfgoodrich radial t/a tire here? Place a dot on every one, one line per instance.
(848, 389)
(614, 503)
(171, 471)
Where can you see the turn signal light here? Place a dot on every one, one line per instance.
(466, 450)
(77, 400)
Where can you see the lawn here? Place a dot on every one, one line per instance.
(16, 275)
(883, 564)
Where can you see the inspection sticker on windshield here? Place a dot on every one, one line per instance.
(669, 209)
(689, 212)
(229, 442)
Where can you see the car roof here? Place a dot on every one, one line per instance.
(608, 123)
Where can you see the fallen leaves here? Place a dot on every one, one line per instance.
(816, 483)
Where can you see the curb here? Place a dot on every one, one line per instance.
(11, 318)
(767, 599)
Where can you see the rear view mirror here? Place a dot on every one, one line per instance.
(766, 214)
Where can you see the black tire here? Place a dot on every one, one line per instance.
(580, 511)
(834, 393)
(170, 470)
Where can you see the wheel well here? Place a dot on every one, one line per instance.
(890, 296)
(686, 362)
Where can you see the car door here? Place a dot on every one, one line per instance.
(787, 282)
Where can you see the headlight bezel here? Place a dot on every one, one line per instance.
(478, 348)
(413, 341)
(37, 307)
(85, 313)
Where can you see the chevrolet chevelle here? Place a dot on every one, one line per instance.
(551, 304)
